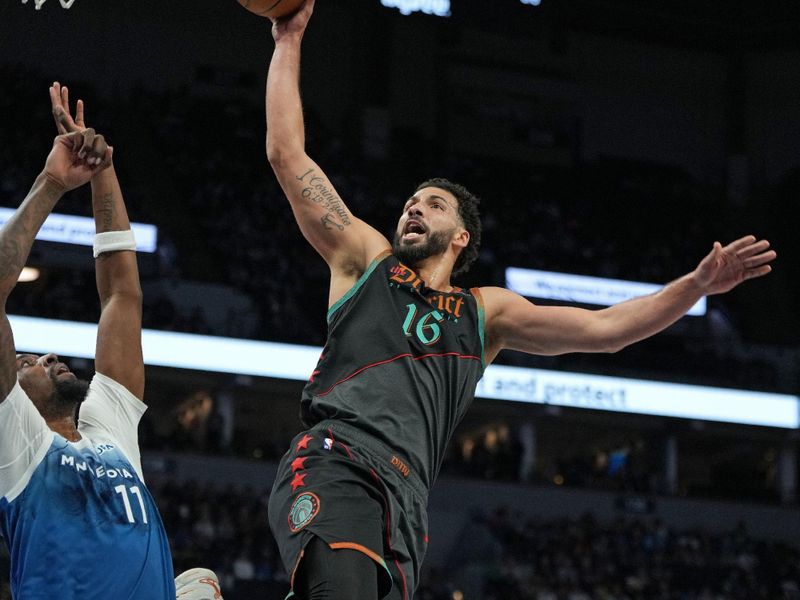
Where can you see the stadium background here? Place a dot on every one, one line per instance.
(607, 138)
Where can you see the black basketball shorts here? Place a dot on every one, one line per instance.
(353, 492)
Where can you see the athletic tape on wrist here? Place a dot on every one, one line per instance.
(112, 241)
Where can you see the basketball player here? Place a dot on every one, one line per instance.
(404, 353)
(78, 520)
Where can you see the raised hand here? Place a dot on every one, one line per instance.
(294, 24)
(725, 267)
(59, 99)
(77, 157)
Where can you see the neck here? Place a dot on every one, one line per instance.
(436, 271)
(65, 427)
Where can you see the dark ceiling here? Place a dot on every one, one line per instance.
(719, 25)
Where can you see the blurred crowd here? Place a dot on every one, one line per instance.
(502, 556)
(223, 221)
(512, 558)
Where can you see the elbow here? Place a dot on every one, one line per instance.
(281, 152)
(613, 347)
(275, 155)
(278, 154)
(129, 295)
(603, 343)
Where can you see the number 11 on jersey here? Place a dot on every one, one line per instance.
(123, 491)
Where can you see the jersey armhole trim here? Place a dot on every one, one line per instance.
(481, 324)
(23, 482)
(357, 285)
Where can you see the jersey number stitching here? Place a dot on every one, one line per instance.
(123, 491)
(427, 332)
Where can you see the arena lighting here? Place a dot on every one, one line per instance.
(439, 8)
(69, 229)
(536, 386)
(582, 289)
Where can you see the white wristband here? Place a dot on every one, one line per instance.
(112, 241)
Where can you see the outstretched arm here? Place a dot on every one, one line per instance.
(119, 333)
(345, 242)
(74, 159)
(514, 323)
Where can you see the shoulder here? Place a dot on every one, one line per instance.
(109, 403)
(492, 301)
(496, 300)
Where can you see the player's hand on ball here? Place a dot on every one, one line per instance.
(294, 24)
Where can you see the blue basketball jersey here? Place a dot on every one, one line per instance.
(80, 523)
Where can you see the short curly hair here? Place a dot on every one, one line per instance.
(470, 219)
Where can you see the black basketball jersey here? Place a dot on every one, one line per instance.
(401, 364)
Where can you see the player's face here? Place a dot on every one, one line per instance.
(42, 376)
(429, 222)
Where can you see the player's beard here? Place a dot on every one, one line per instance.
(68, 394)
(411, 254)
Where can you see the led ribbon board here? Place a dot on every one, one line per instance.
(581, 288)
(69, 229)
(291, 361)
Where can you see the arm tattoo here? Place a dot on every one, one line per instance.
(16, 237)
(107, 211)
(10, 263)
(318, 191)
(329, 222)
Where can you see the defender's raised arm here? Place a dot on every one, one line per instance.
(345, 242)
(119, 332)
(72, 162)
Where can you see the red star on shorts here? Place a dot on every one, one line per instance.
(299, 463)
(298, 481)
(303, 444)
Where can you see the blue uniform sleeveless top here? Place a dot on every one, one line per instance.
(80, 524)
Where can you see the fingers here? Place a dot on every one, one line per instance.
(759, 259)
(61, 118)
(88, 146)
(753, 249)
(741, 243)
(759, 272)
(79, 114)
(59, 100)
(107, 159)
(94, 148)
(754, 255)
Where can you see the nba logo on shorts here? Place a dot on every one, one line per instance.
(328, 444)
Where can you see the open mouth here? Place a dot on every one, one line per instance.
(413, 230)
(62, 369)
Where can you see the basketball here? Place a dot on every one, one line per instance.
(272, 8)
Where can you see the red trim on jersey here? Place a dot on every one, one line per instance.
(388, 360)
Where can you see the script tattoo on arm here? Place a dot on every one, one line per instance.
(16, 238)
(10, 263)
(318, 191)
(107, 210)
